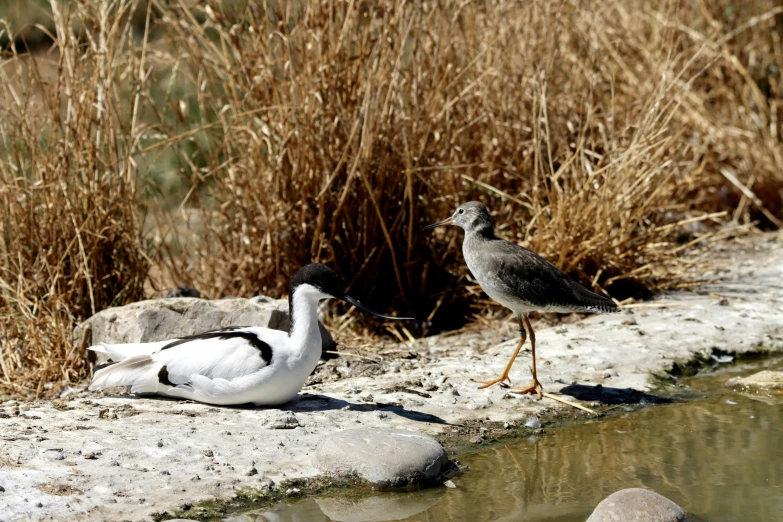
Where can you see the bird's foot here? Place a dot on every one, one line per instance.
(487, 384)
(534, 388)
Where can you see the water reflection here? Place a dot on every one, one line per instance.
(719, 460)
(378, 507)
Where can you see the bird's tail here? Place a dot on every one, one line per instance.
(139, 372)
(592, 302)
(112, 353)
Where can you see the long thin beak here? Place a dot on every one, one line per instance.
(447, 221)
(360, 306)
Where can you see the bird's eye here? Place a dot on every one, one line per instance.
(462, 211)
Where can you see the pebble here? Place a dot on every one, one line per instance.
(2, 489)
(266, 483)
(478, 439)
(249, 472)
(637, 505)
(386, 458)
(479, 405)
(209, 453)
(285, 422)
(533, 422)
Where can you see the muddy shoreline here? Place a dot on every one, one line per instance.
(112, 456)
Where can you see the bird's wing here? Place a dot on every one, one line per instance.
(515, 270)
(218, 356)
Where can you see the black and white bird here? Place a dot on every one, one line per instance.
(519, 279)
(234, 365)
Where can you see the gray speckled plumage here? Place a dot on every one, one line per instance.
(514, 276)
(523, 281)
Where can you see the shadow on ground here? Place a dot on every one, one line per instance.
(306, 402)
(612, 396)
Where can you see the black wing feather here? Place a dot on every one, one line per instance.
(228, 333)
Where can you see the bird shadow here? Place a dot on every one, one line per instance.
(612, 396)
(305, 403)
(308, 402)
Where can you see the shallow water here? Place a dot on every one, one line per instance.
(718, 460)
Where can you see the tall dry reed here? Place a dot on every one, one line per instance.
(70, 241)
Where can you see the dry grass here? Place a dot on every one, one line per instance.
(610, 137)
(70, 225)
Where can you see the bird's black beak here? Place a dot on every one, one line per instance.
(350, 300)
(447, 221)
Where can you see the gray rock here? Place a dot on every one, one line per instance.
(385, 458)
(637, 505)
(161, 319)
(765, 380)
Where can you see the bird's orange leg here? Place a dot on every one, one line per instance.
(504, 376)
(536, 386)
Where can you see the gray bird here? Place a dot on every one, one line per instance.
(519, 279)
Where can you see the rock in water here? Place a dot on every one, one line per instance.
(161, 319)
(385, 458)
(637, 505)
(766, 380)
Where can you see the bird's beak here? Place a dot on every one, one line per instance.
(447, 221)
(350, 300)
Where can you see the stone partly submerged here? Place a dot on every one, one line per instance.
(385, 458)
(169, 318)
(766, 380)
(637, 505)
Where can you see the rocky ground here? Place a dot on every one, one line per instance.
(92, 456)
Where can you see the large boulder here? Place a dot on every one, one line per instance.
(385, 458)
(161, 319)
(637, 505)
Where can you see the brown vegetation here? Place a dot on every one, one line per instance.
(227, 143)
